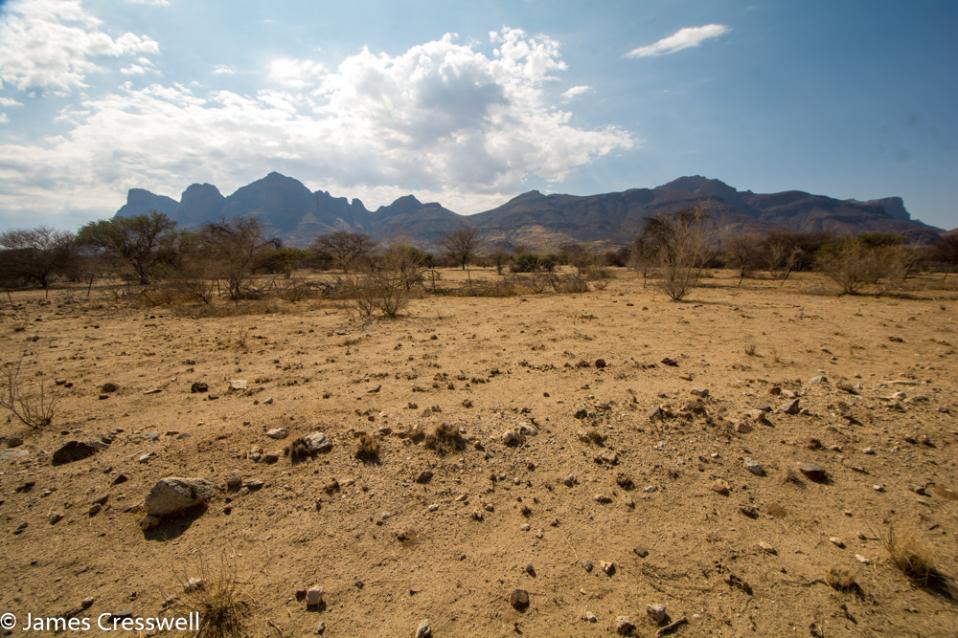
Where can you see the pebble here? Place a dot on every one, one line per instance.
(624, 626)
(590, 617)
(813, 471)
(720, 486)
(837, 542)
(314, 596)
(754, 467)
(607, 566)
(519, 599)
(424, 630)
(277, 433)
(657, 613)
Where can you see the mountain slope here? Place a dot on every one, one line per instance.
(288, 209)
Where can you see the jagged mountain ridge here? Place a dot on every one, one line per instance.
(289, 210)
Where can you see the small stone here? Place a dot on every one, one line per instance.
(720, 486)
(641, 552)
(587, 566)
(608, 567)
(519, 599)
(237, 385)
(700, 392)
(424, 630)
(511, 438)
(861, 559)
(570, 480)
(768, 549)
(590, 617)
(657, 613)
(602, 499)
(869, 451)
(791, 407)
(314, 596)
(837, 542)
(55, 517)
(120, 478)
(73, 451)
(194, 584)
(145, 458)
(199, 387)
(754, 467)
(109, 387)
(277, 433)
(234, 482)
(814, 472)
(742, 427)
(624, 626)
(424, 477)
(172, 495)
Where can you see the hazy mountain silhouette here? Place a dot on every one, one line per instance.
(289, 210)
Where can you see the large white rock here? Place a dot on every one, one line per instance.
(172, 495)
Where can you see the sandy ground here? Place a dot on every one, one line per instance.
(389, 551)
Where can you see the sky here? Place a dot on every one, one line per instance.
(470, 103)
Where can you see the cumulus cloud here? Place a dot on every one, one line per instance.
(223, 69)
(9, 101)
(152, 3)
(576, 91)
(459, 123)
(295, 73)
(52, 45)
(684, 38)
(4, 118)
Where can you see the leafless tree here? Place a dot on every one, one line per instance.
(234, 247)
(744, 254)
(680, 243)
(345, 249)
(462, 245)
(36, 255)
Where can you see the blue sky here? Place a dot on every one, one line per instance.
(471, 103)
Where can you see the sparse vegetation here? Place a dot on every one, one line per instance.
(680, 244)
(35, 410)
(914, 556)
(218, 597)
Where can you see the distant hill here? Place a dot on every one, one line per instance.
(290, 211)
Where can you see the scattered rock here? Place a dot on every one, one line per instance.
(277, 433)
(657, 614)
(519, 599)
(813, 472)
(837, 542)
(608, 567)
(720, 486)
(198, 387)
(424, 477)
(791, 407)
(624, 626)
(314, 597)
(237, 385)
(754, 467)
(173, 495)
(424, 631)
(73, 451)
(109, 387)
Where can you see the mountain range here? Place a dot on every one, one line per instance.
(290, 211)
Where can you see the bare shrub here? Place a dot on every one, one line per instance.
(856, 262)
(33, 410)
(380, 293)
(744, 254)
(680, 243)
(218, 598)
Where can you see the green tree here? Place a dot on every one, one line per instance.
(141, 242)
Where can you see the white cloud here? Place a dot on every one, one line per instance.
(151, 3)
(52, 45)
(576, 91)
(142, 66)
(4, 118)
(9, 102)
(223, 69)
(294, 73)
(684, 38)
(444, 120)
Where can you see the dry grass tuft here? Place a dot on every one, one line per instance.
(915, 557)
(444, 438)
(218, 597)
(843, 581)
(367, 448)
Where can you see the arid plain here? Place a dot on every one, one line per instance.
(616, 450)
